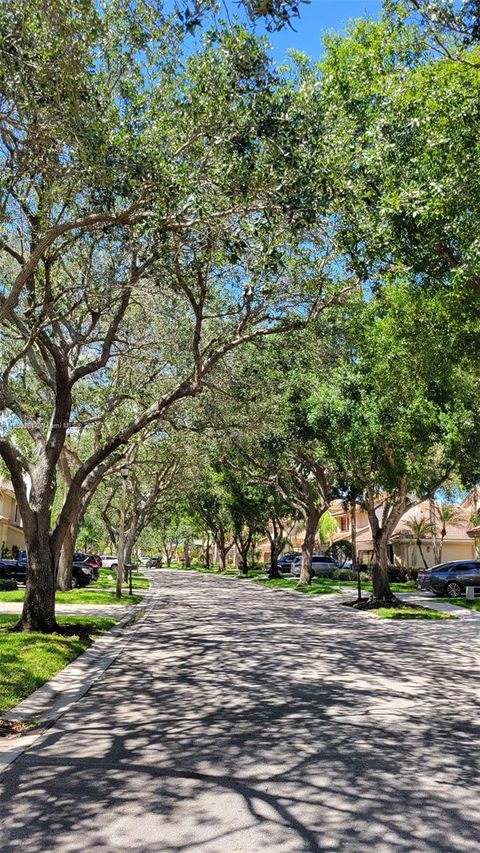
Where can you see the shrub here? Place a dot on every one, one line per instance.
(400, 574)
(345, 575)
(7, 584)
(324, 573)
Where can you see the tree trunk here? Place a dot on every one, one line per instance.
(440, 550)
(64, 573)
(38, 613)
(274, 552)
(381, 588)
(252, 551)
(222, 558)
(186, 555)
(419, 546)
(308, 545)
(129, 543)
(222, 549)
(121, 543)
(433, 524)
(353, 531)
(243, 546)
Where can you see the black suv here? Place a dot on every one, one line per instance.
(450, 579)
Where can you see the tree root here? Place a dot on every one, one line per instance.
(372, 603)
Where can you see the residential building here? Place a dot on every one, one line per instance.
(459, 543)
(11, 533)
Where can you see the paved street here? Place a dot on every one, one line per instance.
(243, 720)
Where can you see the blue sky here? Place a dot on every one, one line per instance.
(316, 18)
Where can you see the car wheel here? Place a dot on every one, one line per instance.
(114, 567)
(453, 589)
(75, 583)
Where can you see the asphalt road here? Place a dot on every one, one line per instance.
(243, 720)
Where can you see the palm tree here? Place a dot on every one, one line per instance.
(419, 529)
(327, 529)
(448, 514)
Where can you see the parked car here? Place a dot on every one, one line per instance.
(15, 569)
(285, 561)
(154, 563)
(109, 562)
(450, 579)
(6, 568)
(321, 565)
(84, 568)
(82, 573)
(88, 563)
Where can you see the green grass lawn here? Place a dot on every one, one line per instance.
(78, 596)
(107, 580)
(367, 586)
(409, 612)
(29, 660)
(319, 586)
(462, 602)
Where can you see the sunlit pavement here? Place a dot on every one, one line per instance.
(242, 719)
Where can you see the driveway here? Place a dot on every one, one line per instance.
(243, 720)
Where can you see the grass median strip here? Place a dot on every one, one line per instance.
(28, 660)
(410, 612)
(321, 586)
(107, 580)
(78, 596)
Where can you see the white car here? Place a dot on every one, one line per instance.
(108, 562)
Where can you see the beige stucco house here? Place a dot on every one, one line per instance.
(11, 533)
(458, 544)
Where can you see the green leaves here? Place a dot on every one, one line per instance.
(402, 145)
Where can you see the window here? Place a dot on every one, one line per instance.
(344, 523)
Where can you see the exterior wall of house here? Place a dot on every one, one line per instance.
(11, 533)
(458, 551)
(408, 555)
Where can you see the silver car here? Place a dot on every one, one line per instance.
(320, 564)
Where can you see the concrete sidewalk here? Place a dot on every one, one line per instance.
(431, 603)
(242, 721)
(115, 611)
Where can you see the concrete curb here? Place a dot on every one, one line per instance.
(57, 696)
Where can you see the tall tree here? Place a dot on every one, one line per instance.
(392, 414)
(197, 240)
(401, 129)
